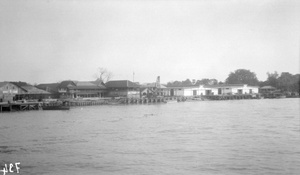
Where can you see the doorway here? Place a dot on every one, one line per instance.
(207, 92)
(219, 91)
(172, 92)
(194, 92)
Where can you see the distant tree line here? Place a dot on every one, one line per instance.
(284, 82)
(188, 82)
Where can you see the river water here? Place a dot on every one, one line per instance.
(205, 137)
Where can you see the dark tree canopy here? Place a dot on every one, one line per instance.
(288, 82)
(188, 82)
(272, 79)
(242, 76)
(207, 81)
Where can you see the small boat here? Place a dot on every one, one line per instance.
(56, 107)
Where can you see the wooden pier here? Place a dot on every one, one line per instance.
(86, 103)
(231, 97)
(150, 100)
(123, 101)
(18, 106)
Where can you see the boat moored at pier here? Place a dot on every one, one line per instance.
(58, 107)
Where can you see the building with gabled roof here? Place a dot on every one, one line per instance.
(219, 89)
(227, 89)
(88, 89)
(123, 88)
(49, 87)
(154, 89)
(121, 84)
(67, 89)
(8, 91)
(267, 89)
(74, 89)
(27, 91)
(182, 90)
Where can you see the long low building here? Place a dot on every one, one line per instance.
(221, 89)
(75, 89)
(12, 91)
(87, 89)
(228, 89)
(186, 91)
(123, 88)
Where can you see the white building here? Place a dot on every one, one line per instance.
(185, 91)
(223, 89)
(228, 89)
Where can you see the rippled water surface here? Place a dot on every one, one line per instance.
(209, 137)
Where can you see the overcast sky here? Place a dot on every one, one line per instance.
(48, 41)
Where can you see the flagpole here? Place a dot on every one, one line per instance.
(133, 77)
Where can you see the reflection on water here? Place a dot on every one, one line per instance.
(208, 137)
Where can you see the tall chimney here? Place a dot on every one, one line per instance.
(158, 81)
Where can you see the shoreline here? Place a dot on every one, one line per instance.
(31, 105)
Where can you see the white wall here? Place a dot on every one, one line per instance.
(178, 92)
(255, 89)
(203, 90)
(233, 90)
(183, 91)
(190, 91)
(246, 89)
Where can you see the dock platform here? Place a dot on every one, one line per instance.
(19, 106)
(26, 106)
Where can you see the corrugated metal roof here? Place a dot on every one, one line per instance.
(53, 87)
(33, 90)
(19, 83)
(223, 85)
(65, 84)
(121, 84)
(145, 85)
(182, 86)
(84, 83)
(88, 85)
